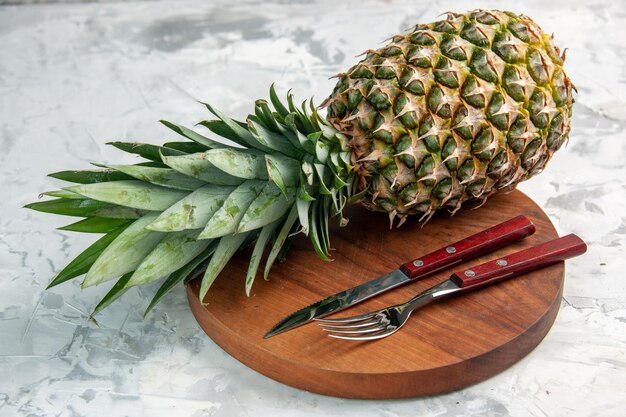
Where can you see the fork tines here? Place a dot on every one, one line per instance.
(365, 327)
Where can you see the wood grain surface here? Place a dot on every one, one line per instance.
(445, 346)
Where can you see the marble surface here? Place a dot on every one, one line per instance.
(73, 76)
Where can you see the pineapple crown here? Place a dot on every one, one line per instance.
(194, 203)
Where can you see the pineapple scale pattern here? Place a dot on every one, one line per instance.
(453, 111)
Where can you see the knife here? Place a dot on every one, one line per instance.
(471, 247)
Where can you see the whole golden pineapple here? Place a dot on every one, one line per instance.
(453, 111)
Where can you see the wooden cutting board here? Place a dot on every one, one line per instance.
(445, 346)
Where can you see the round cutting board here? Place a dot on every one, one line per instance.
(445, 346)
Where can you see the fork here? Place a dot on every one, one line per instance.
(385, 322)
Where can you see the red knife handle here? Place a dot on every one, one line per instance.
(520, 262)
(483, 242)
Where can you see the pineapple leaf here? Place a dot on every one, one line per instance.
(165, 177)
(303, 207)
(134, 194)
(197, 166)
(241, 132)
(324, 216)
(221, 129)
(264, 115)
(269, 206)
(315, 233)
(292, 107)
(225, 249)
(117, 212)
(193, 211)
(85, 260)
(278, 105)
(314, 138)
(170, 254)
(96, 225)
(226, 219)
(150, 164)
(280, 240)
(257, 254)
(283, 171)
(90, 176)
(306, 121)
(239, 163)
(67, 206)
(125, 253)
(273, 140)
(181, 274)
(145, 150)
(321, 151)
(63, 194)
(291, 137)
(114, 293)
(345, 157)
(323, 173)
(338, 182)
(303, 193)
(290, 122)
(186, 147)
(192, 135)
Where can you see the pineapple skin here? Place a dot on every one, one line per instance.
(452, 111)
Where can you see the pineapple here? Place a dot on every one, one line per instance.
(451, 112)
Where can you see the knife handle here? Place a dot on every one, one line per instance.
(483, 242)
(520, 262)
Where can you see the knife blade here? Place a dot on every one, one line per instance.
(471, 247)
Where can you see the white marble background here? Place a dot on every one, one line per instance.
(73, 76)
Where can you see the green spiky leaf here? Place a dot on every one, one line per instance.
(226, 219)
(269, 206)
(244, 164)
(257, 254)
(62, 194)
(170, 254)
(273, 140)
(81, 264)
(165, 177)
(134, 194)
(125, 253)
(68, 207)
(145, 150)
(90, 176)
(194, 211)
(278, 105)
(223, 252)
(197, 166)
(283, 171)
(221, 129)
(303, 207)
(241, 132)
(96, 225)
(186, 147)
(280, 240)
(118, 289)
(182, 274)
(192, 135)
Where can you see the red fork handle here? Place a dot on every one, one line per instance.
(471, 247)
(520, 262)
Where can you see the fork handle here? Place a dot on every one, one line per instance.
(478, 244)
(520, 262)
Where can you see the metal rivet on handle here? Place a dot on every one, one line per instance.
(502, 262)
(418, 262)
(469, 273)
(450, 249)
